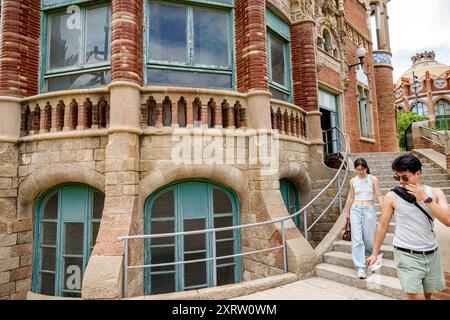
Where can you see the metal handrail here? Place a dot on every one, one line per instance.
(213, 231)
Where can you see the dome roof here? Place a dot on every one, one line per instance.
(423, 62)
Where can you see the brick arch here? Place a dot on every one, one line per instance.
(441, 97)
(50, 176)
(227, 175)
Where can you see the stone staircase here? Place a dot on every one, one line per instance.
(338, 263)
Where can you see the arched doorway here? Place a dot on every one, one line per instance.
(188, 206)
(66, 227)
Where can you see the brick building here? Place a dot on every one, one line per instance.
(93, 93)
(432, 87)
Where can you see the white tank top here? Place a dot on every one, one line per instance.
(412, 227)
(363, 188)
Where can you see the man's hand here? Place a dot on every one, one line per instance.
(417, 190)
(371, 260)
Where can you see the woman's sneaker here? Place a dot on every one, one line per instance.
(362, 273)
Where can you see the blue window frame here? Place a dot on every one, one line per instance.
(67, 222)
(279, 59)
(187, 206)
(76, 47)
(291, 198)
(190, 44)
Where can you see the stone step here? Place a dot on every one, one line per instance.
(345, 259)
(378, 283)
(346, 246)
(388, 171)
(434, 183)
(387, 165)
(436, 176)
(377, 155)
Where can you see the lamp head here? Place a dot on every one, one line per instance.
(361, 52)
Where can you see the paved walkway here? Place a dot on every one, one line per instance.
(314, 289)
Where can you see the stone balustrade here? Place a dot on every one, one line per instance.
(188, 107)
(67, 111)
(288, 119)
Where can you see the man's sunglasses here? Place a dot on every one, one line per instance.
(404, 178)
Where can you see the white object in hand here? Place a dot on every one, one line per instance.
(377, 265)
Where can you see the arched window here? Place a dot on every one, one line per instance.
(188, 206)
(67, 222)
(420, 108)
(291, 198)
(443, 108)
(327, 43)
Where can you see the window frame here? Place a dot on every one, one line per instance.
(178, 226)
(224, 6)
(81, 67)
(422, 104)
(88, 241)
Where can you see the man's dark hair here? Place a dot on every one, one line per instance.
(407, 162)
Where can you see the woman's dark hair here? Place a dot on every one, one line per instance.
(407, 162)
(363, 163)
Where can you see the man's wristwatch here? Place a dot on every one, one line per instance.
(428, 200)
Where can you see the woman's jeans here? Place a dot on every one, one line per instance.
(363, 220)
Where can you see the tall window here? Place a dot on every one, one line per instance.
(420, 108)
(188, 206)
(278, 39)
(374, 26)
(77, 49)
(67, 223)
(365, 113)
(189, 45)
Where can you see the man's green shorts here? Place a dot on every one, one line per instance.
(419, 273)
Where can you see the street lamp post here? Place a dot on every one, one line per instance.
(361, 53)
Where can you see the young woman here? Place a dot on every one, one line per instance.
(361, 212)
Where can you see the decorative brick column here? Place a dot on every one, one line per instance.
(103, 276)
(304, 73)
(19, 62)
(386, 101)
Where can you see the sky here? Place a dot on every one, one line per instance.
(416, 26)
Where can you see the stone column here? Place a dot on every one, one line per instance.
(103, 276)
(19, 64)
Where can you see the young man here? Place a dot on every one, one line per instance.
(416, 255)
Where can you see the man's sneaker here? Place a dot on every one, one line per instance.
(361, 274)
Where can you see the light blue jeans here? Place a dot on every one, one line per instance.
(363, 220)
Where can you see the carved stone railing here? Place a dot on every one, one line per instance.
(175, 107)
(66, 111)
(288, 119)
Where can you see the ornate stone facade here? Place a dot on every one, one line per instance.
(120, 138)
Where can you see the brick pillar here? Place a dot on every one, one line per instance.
(304, 73)
(386, 108)
(103, 276)
(127, 41)
(251, 60)
(19, 63)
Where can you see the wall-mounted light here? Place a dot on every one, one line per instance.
(361, 53)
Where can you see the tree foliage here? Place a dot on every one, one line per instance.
(404, 120)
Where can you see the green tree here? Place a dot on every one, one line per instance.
(404, 120)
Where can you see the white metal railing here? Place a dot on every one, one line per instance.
(213, 231)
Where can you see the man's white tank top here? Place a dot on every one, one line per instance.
(363, 188)
(412, 227)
